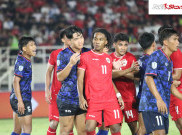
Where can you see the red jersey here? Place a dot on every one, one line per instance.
(177, 62)
(124, 85)
(56, 85)
(98, 77)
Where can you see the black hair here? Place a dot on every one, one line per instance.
(146, 40)
(166, 32)
(62, 33)
(121, 36)
(107, 35)
(24, 41)
(71, 30)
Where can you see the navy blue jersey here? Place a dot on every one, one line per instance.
(143, 64)
(160, 67)
(68, 92)
(23, 69)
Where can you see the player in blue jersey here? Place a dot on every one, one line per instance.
(67, 99)
(157, 86)
(20, 98)
(147, 42)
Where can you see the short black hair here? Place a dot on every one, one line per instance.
(166, 32)
(121, 36)
(24, 41)
(71, 30)
(146, 40)
(107, 35)
(62, 33)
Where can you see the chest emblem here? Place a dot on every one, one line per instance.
(58, 62)
(154, 65)
(166, 64)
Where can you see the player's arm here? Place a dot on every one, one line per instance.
(132, 76)
(119, 97)
(16, 86)
(49, 71)
(119, 73)
(152, 87)
(176, 77)
(63, 74)
(80, 79)
(175, 92)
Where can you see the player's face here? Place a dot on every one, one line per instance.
(99, 41)
(30, 48)
(121, 47)
(77, 41)
(173, 43)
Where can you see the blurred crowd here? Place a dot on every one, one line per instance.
(43, 19)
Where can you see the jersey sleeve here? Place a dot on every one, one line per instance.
(176, 58)
(62, 61)
(82, 63)
(19, 69)
(152, 66)
(51, 59)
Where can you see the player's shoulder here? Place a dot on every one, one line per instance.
(84, 49)
(128, 54)
(21, 59)
(176, 53)
(112, 54)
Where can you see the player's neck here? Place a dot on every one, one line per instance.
(26, 55)
(119, 55)
(98, 51)
(167, 51)
(76, 50)
(148, 51)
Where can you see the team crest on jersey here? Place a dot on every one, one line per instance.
(20, 68)
(108, 60)
(58, 62)
(124, 62)
(166, 64)
(154, 65)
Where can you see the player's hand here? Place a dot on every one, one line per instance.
(121, 103)
(176, 83)
(48, 97)
(83, 103)
(21, 107)
(74, 58)
(117, 64)
(161, 106)
(135, 66)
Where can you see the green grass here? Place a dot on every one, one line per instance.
(40, 126)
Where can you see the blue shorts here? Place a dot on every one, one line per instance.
(155, 121)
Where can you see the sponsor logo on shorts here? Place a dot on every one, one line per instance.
(68, 111)
(91, 116)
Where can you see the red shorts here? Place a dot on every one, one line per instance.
(111, 113)
(130, 112)
(175, 108)
(53, 109)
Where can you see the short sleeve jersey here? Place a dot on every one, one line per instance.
(125, 86)
(68, 93)
(143, 64)
(176, 57)
(23, 69)
(56, 85)
(160, 68)
(98, 77)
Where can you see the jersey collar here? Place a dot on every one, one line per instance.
(165, 55)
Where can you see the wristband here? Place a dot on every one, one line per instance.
(118, 95)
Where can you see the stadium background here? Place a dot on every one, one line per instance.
(43, 19)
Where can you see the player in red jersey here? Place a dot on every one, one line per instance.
(175, 103)
(51, 94)
(125, 84)
(96, 68)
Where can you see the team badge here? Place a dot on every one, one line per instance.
(154, 65)
(166, 64)
(20, 68)
(140, 63)
(124, 62)
(108, 60)
(58, 62)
